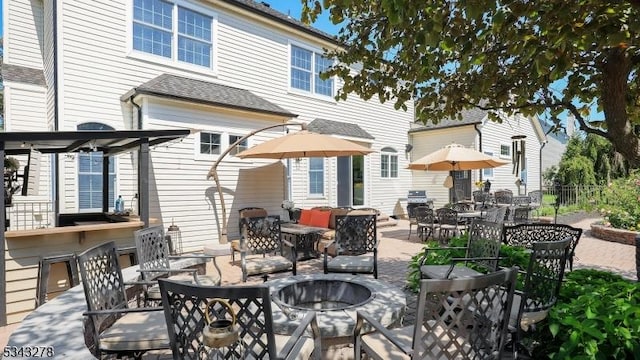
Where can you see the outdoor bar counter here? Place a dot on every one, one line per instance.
(24, 248)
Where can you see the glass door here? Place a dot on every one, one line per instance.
(351, 180)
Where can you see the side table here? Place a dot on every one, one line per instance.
(216, 250)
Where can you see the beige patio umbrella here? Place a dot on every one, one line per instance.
(291, 146)
(304, 144)
(456, 157)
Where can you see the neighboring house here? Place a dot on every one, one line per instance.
(476, 131)
(555, 146)
(222, 68)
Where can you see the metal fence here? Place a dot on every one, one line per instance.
(575, 194)
(30, 215)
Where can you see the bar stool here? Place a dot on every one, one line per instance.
(129, 251)
(44, 269)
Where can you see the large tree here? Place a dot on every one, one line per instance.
(545, 57)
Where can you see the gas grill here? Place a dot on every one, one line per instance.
(417, 198)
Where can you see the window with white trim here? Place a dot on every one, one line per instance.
(90, 175)
(306, 66)
(210, 143)
(316, 176)
(505, 151)
(155, 32)
(487, 173)
(388, 163)
(242, 146)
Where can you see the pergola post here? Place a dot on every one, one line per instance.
(143, 181)
(3, 277)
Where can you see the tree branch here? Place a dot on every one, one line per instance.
(583, 124)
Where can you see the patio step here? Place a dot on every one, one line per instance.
(385, 221)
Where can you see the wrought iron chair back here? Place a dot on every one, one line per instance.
(485, 239)
(103, 283)
(461, 207)
(520, 215)
(425, 219)
(185, 308)
(356, 234)
(526, 235)
(261, 235)
(447, 216)
(503, 197)
(107, 304)
(153, 250)
(536, 198)
(521, 200)
(465, 318)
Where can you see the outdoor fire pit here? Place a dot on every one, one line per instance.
(335, 298)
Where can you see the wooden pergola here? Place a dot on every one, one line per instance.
(109, 143)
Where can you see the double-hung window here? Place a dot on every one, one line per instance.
(90, 175)
(306, 66)
(316, 176)
(388, 163)
(505, 151)
(188, 39)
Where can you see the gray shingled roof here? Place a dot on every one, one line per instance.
(177, 87)
(561, 135)
(469, 117)
(23, 74)
(323, 126)
(264, 10)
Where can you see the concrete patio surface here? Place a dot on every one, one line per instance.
(396, 250)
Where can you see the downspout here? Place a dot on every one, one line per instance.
(475, 126)
(139, 116)
(56, 112)
(544, 143)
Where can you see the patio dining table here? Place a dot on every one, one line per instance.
(306, 239)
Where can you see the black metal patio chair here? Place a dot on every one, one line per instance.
(464, 318)
(482, 250)
(262, 249)
(193, 312)
(114, 327)
(526, 235)
(356, 244)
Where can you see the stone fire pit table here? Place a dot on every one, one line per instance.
(335, 298)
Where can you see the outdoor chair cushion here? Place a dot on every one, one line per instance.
(153, 293)
(385, 350)
(136, 331)
(528, 318)
(235, 245)
(271, 264)
(440, 271)
(328, 235)
(305, 217)
(305, 350)
(320, 218)
(349, 263)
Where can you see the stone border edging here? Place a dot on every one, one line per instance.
(598, 230)
(59, 322)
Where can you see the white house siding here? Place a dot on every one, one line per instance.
(426, 142)
(552, 152)
(48, 62)
(180, 192)
(24, 38)
(493, 134)
(27, 103)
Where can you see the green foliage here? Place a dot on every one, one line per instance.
(589, 160)
(511, 256)
(622, 209)
(504, 57)
(597, 317)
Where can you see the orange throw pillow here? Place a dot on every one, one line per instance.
(305, 217)
(320, 218)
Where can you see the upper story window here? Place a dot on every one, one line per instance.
(388, 163)
(210, 143)
(90, 177)
(186, 39)
(306, 66)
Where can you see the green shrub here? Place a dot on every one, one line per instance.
(622, 209)
(597, 317)
(511, 256)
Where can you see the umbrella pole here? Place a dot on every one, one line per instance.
(213, 173)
